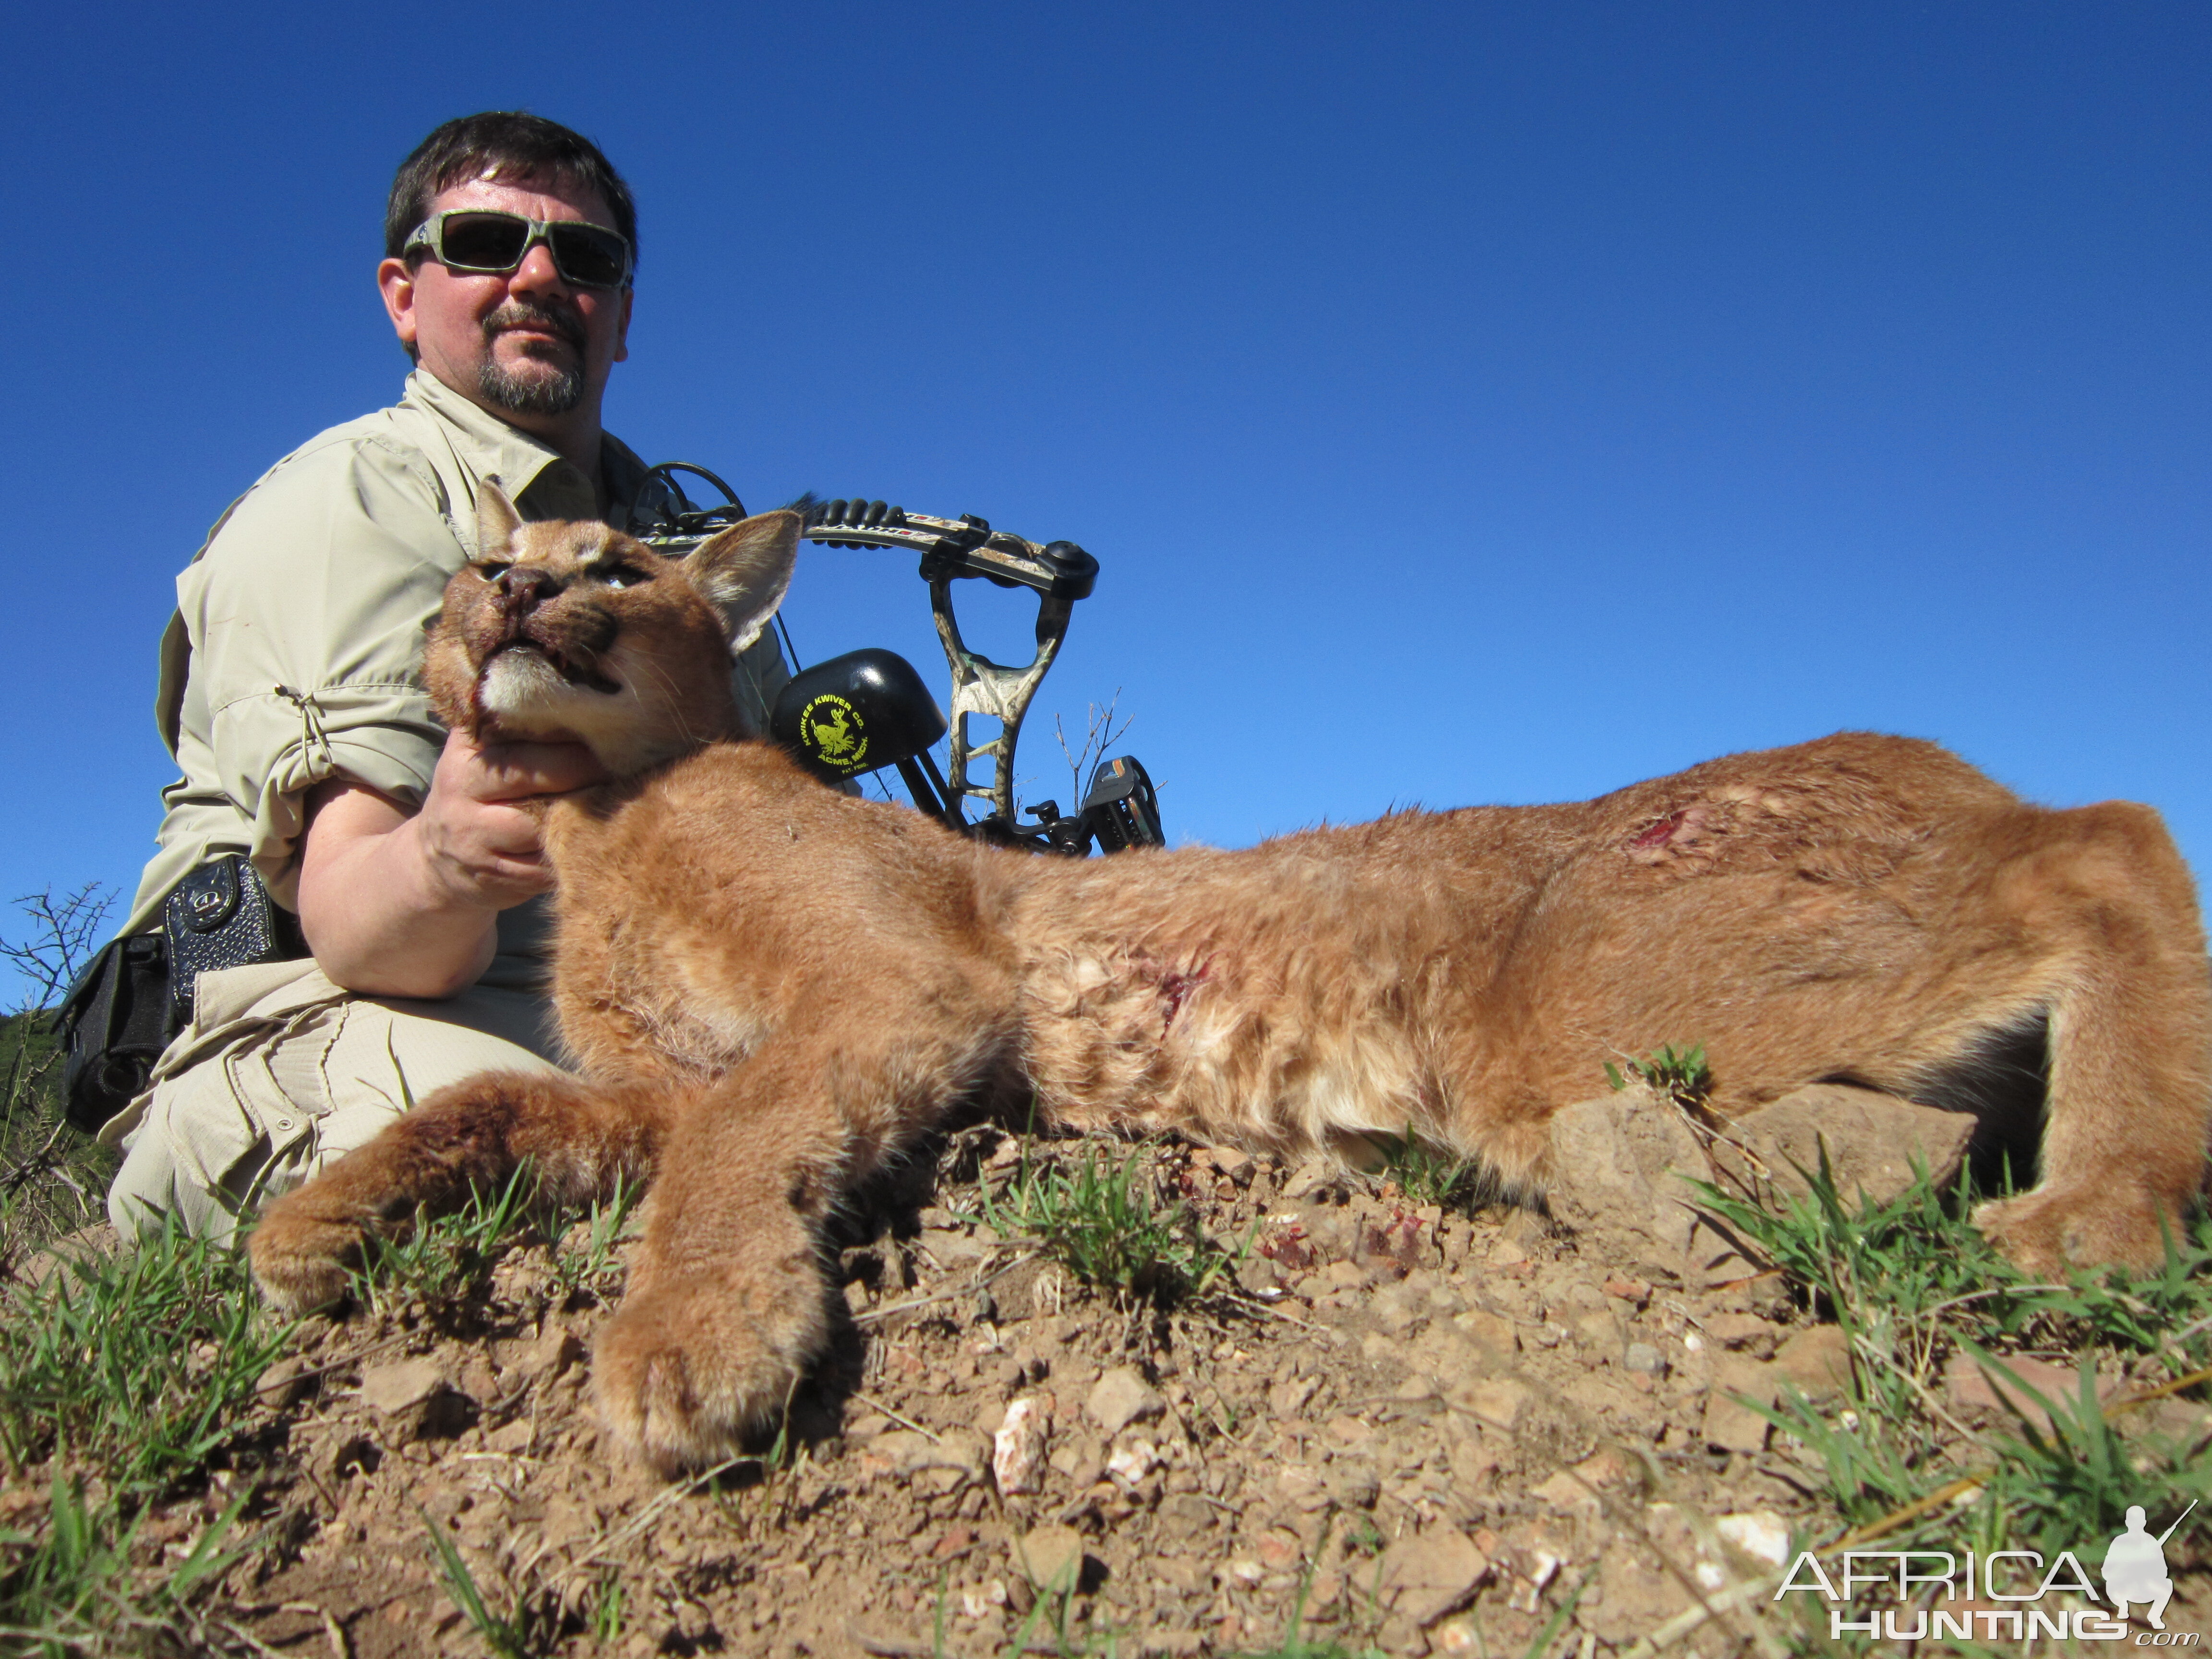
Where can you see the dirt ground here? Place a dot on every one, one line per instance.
(1404, 1429)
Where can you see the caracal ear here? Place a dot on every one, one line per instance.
(497, 520)
(742, 572)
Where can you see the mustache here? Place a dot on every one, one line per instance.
(562, 324)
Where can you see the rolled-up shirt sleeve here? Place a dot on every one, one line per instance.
(306, 619)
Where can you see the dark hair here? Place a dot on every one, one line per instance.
(502, 144)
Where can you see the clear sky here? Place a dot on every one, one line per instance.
(1477, 403)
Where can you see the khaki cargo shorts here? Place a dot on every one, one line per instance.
(282, 1072)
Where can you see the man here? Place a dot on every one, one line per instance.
(2135, 1570)
(291, 695)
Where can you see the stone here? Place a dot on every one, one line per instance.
(950, 1245)
(1565, 1493)
(286, 1382)
(542, 1358)
(1623, 1165)
(1636, 1593)
(1614, 1182)
(1643, 1358)
(1818, 1360)
(1392, 1246)
(400, 1385)
(415, 1402)
(1122, 1397)
(1352, 1486)
(1759, 1534)
(1133, 1461)
(1755, 1336)
(1426, 1577)
(1496, 1402)
(1872, 1140)
(1730, 1423)
(1182, 1516)
(1017, 1445)
(1310, 1176)
(1598, 1335)
(1490, 1330)
(2005, 1393)
(1051, 1558)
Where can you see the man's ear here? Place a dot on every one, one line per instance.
(497, 520)
(744, 571)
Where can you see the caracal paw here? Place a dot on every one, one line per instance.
(302, 1261)
(2045, 1232)
(686, 1376)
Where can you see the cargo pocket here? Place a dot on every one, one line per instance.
(280, 1085)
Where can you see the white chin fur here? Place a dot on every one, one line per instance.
(524, 694)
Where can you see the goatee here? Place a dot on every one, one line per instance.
(537, 387)
(547, 389)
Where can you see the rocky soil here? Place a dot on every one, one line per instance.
(1403, 1427)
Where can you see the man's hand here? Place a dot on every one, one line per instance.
(483, 848)
(401, 904)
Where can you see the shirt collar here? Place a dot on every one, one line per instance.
(519, 462)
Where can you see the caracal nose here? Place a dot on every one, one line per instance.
(523, 588)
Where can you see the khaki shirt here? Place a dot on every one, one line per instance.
(295, 652)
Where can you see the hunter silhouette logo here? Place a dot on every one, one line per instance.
(2135, 1568)
(834, 726)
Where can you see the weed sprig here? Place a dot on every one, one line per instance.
(1107, 1226)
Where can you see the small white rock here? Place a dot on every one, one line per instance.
(1017, 1449)
(1132, 1462)
(1760, 1534)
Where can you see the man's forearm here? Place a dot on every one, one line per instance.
(403, 903)
(380, 921)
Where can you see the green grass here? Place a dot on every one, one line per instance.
(584, 1261)
(1681, 1073)
(446, 1258)
(1912, 1284)
(530, 1627)
(72, 1586)
(124, 1375)
(442, 1261)
(1426, 1174)
(1107, 1226)
(132, 1364)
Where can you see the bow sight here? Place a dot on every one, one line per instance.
(869, 710)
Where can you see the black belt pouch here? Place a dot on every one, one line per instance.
(137, 995)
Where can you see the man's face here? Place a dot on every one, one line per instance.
(528, 346)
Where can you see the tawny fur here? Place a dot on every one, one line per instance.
(768, 987)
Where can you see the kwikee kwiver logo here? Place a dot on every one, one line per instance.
(2134, 1572)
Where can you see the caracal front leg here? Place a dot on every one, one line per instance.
(582, 1137)
(726, 1304)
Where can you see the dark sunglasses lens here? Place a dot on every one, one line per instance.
(589, 255)
(484, 241)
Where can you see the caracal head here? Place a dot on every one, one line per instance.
(561, 631)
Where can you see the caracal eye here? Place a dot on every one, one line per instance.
(625, 575)
(492, 569)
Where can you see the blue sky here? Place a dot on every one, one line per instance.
(1466, 404)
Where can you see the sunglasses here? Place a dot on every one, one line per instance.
(484, 240)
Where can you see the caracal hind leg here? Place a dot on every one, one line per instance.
(726, 1304)
(2131, 1046)
(580, 1137)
